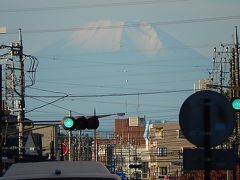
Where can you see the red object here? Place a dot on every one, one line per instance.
(64, 148)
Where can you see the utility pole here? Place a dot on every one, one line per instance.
(21, 115)
(95, 153)
(231, 84)
(1, 133)
(2, 31)
(16, 50)
(237, 73)
(235, 83)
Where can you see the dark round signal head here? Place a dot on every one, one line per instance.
(68, 123)
(92, 122)
(80, 123)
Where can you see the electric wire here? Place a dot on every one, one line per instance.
(113, 94)
(100, 5)
(131, 25)
(49, 103)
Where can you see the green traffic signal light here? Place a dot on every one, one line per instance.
(68, 123)
(236, 104)
(80, 123)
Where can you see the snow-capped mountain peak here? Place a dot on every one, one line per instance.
(105, 35)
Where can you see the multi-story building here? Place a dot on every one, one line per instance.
(157, 147)
(116, 150)
(130, 131)
(130, 146)
(166, 144)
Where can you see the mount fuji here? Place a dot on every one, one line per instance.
(112, 57)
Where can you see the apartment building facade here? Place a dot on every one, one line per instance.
(157, 147)
(166, 144)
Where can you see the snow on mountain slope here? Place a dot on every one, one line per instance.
(108, 35)
(99, 36)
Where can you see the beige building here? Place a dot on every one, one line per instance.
(166, 144)
(50, 136)
(157, 147)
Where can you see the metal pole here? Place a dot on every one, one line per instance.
(95, 140)
(207, 140)
(70, 141)
(79, 145)
(95, 145)
(237, 75)
(21, 116)
(1, 113)
(61, 151)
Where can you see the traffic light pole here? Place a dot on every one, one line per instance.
(95, 145)
(70, 141)
(69, 145)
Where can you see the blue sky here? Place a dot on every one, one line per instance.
(43, 14)
(195, 26)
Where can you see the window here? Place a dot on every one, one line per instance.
(162, 151)
(180, 153)
(180, 134)
(162, 170)
(159, 133)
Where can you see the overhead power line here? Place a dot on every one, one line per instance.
(45, 90)
(51, 103)
(114, 94)
(130, 25)
(46, 104)
(100, 5)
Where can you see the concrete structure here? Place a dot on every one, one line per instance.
(166, 144)
(50, 137)
(130, 146)
(202, 84)
(157, 147)
(130, 130)
(116, 150)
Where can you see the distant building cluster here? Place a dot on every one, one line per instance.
(135, 149)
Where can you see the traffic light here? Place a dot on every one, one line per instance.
(92, 122)
(236, 103)
(80, 122)
(68, 123)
